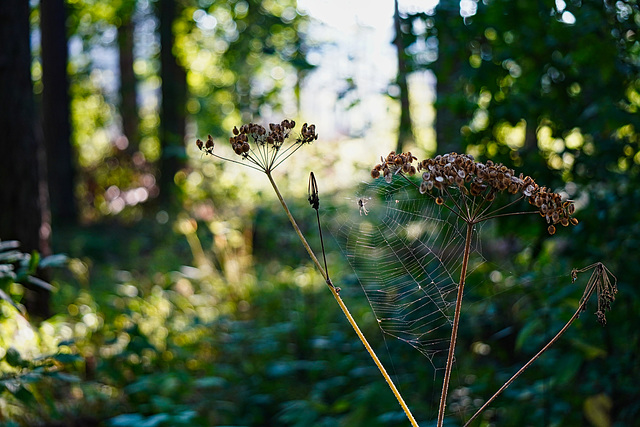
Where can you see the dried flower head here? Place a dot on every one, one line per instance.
(264, 149)
(479, 181)
(605, 285)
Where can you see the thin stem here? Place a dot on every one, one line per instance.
(456, 321)
(239, 163)
(343, 307)
(430, 194)
(507, 214)
(493, 214)
(324, 256)
(581, 307)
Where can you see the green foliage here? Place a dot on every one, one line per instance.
(246, 59)
(207, 316)
(31, 364)
(242, 59)
(18, 268)
(525, 85)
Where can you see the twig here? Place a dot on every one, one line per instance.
(598, 277)
(343, 307)
(456, 322)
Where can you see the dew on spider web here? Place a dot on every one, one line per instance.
(406, 253)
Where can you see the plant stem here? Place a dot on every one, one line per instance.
(342, 305)
(533, 359)
(456, 321)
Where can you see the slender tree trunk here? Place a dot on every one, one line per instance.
(128, 81)
(447, 69)
(21, 195)
(172, 116)
(405, 129)
(56, 111)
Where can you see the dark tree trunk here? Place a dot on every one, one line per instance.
(128, 81)
(405, 129)
(172, 116)
(21, 198)
(55, 112)
(449, 120)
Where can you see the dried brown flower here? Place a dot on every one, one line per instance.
(479, 180)
(264, 149)
(605, 285)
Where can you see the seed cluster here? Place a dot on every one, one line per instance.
(265, 153)
(605, 285)
(477, 179)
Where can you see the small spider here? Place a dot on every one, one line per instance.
(362, 205)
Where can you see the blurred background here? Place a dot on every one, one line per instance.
(156, 286)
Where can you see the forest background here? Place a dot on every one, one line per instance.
(154, 286)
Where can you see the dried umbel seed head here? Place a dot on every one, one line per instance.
(481, 180)
(308, 133)
(250, 136)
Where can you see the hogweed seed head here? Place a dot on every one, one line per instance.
(478, 180)
(264, 149)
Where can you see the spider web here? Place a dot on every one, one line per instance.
(406, 252)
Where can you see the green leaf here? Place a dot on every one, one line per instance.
(40, 283)
(63, 376)
(67, 358)
(9, 244)
(34, 260)
(208, 382)
(126, 420)
(13, 358)
(4, 296)
(11, 256)
(531, 328)
(10, 384)
(25, 396)
(57, 260)
(597, 409)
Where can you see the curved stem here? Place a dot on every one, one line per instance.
(342, 305)
(533, 359)
(456, 321)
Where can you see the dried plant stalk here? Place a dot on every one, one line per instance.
(264, 150)
(468, 189)
(605, 289)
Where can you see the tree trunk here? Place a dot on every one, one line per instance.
(56, 112)
(447, 71)
(172, 115)
(21, 198)
(405, 129)
(128, 81)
